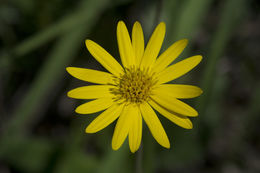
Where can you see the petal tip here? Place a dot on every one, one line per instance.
(190, 126)
(162, 24)
(120, 23)
(69, 69)
(196, 59)
(167, 145)
(200, 91)
(88, 43)
(115, 147)
(69, 94)
(137, 23)
(199, 57)
(89, 129)
(79, 111)
(196, 114)
(133, 150)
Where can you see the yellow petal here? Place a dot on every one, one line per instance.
(124, 45)
(174, 105)
(138, 42)
(170, 55)
(176, 70)
(104, 58)
(181, 121)
(178, 91)
(154, 125)
(154, 45)
(122, 127)
(90, 92)
(105, 118)
(95, 105)
(90, 75)
(135, 132)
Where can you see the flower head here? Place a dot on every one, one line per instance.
(132, 92)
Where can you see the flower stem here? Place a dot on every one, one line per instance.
(138, 161)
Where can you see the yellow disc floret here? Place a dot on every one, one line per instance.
(134, 85)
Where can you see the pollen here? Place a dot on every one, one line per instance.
(134, 86)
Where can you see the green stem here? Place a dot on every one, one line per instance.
(138, 162)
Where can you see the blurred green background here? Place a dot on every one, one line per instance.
(39, 130)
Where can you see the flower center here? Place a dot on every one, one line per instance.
(133, 86)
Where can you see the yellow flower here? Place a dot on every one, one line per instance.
(130, 93)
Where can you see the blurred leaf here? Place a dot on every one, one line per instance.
(53, 69)
(191, 15)
(254, 108)
(185, 149)
(149, 152)
(77, 161)
(114, 161)
(83, 13)
(27, 154)
(26, 6)
(229, 20)
(215, 108)
(148, 24)
(74, 158)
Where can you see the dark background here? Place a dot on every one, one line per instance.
(39, 130)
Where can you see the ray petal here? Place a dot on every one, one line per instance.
(135, 132)
(154, 45)
(175, 105)
(122, 127)
(125, 45)
(104, 58)
(90, 75)
(170, 55)
(91, 92)
(95, 105)
(105, 118)
(181, 121)
(176, 70)
(154, 125)
(178, 91)
(138, 42)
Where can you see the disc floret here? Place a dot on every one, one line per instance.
(134, 86)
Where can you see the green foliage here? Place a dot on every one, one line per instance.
(40, 132)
